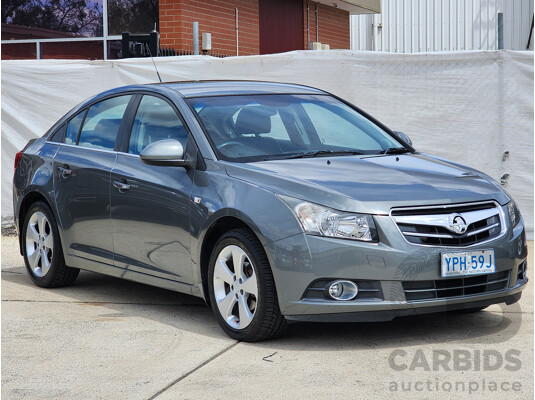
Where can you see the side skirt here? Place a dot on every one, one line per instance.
(110, 270)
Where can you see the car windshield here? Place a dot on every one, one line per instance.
(245, 128)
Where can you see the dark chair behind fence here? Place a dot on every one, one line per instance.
(140, 45)
(147, 45)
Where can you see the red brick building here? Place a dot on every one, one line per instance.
(237, 27)
(254, 26)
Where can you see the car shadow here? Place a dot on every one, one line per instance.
(123, 299)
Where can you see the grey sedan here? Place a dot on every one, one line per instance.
(273, 202)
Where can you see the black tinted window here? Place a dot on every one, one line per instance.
(155, 120)
(73, 127)
(58, 135)
(102, 123)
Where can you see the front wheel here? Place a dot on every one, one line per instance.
(41, 248)
(242, 290)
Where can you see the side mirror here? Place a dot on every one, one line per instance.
(403, 137)
(167, 152)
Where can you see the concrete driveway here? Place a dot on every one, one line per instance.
(106, 338)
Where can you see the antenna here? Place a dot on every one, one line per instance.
(153, 63)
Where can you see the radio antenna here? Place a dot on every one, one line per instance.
(153, 63)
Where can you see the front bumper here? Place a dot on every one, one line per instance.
(402, 310)
(300, 260)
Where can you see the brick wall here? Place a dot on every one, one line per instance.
(62, 50)
(214, 16)
(218, 18)
(333, 26)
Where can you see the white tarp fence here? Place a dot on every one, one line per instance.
(470, 107)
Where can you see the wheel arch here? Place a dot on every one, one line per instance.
(218, 227)
(30, 198)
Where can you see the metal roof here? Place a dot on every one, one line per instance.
(355, 7)
(422, 26)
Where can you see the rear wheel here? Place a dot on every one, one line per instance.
(242, 290)
(42, 251)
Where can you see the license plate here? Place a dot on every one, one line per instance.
(468, 263)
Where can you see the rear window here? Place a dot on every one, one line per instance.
(102, 122)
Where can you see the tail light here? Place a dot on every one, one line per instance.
(18, 157)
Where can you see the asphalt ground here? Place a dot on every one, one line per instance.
(106, 338)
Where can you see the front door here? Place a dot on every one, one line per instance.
(150, 205)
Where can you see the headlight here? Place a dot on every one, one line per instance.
(323, 221)
(514, 213)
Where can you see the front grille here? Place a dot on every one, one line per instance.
(432, 226)
(447, 288)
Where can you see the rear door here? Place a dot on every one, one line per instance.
(82, 169)
(150, 205)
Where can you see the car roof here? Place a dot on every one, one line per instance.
(225, 88)
(203, 88)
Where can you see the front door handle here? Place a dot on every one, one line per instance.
(64, 170)
(121, 185)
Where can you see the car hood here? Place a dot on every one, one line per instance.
(371, 184)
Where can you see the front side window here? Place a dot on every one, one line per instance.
(245, 128)
(155, 120)
(102, 122)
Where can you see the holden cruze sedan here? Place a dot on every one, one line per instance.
(273, 202)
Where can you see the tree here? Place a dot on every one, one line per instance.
(135, 16)
(79, 17)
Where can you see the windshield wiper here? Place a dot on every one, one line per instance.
(319, 153)
(395, 150)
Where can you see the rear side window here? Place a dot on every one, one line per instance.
(57, 136)
(102, 123)
(155, 120)
(73, 127)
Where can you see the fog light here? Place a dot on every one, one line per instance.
(343, 290)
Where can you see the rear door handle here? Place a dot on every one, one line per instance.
(121, 185)
(64, 170)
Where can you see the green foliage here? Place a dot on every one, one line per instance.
(79, 17)
(82, 17)
(134, 16)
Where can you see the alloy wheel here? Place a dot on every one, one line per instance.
(235, 287)
(39, 244)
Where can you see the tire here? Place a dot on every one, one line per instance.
(41, 248)
(253, 288)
